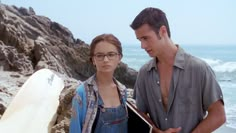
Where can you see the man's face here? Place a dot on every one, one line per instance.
(150, 41)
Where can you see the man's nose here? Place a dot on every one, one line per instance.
(143, 45)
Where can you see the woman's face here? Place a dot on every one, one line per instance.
(106, 57)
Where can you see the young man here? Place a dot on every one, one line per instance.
(177, 90)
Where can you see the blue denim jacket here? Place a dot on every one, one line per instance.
(85, 105)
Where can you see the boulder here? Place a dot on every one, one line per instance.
(29, 42)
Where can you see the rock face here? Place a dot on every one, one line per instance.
(29, 42)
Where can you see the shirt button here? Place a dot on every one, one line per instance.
(159, 100)
(166, 119)
(158, 82)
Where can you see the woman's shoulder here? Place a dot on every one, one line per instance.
(84, 85)
(120, 85)
(80, 89)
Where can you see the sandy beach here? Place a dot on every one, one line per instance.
(225, 129)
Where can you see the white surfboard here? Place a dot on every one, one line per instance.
(33, 109)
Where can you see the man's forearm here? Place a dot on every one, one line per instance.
(214, 119)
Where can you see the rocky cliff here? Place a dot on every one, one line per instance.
(29, 42)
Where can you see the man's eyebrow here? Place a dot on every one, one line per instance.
(142, 37)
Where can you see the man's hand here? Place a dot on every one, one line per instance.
(170, 130)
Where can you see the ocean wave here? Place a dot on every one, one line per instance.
(231, 118)
(229, 92)
(221, 66)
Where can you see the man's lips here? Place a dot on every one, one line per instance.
(148, 51)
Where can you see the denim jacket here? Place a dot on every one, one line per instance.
(85, 105)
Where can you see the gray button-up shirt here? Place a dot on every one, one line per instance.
(192, 90)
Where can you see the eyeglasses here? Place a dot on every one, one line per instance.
(110, 56)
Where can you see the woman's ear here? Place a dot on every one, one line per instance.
(92, 60)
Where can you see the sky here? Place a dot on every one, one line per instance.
(191, 21)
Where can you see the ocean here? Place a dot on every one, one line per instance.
(222, 59)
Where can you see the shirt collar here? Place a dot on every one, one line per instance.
(92, 81)
(179, 60)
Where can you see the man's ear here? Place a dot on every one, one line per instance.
(120, 56)
(163, 31)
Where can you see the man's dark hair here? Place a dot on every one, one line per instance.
(154, 17)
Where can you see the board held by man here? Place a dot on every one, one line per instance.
(138, 122)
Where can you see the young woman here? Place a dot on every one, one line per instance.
(99, 103)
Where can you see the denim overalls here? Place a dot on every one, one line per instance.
(111, 120)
